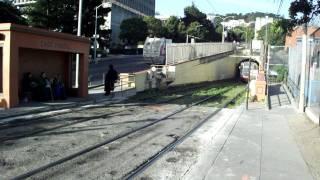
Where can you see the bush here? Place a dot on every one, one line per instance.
(282, 72)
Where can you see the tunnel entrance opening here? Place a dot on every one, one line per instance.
(242, 71)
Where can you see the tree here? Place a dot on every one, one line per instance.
(10, 14)
(175, 29)
(302, 11)
(241, 34)
(172, 27)
(182, 32)
(155, 28)
(277, 32)
(133, 30)
(62, 15)
(207, 32)
(193, 14)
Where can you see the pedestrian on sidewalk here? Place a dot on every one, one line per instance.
(110, 78)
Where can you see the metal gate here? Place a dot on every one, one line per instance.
(277, 73)
(277, 65)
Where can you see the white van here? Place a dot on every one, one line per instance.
(154, 50)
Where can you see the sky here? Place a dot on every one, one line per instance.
(175, 7)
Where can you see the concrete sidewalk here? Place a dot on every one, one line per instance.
(259, 145)
(95, 96)
(239, 144)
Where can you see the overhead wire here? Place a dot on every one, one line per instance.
(279, 7)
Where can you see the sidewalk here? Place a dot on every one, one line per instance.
(95, 96)
(260, 146)
(254, 144)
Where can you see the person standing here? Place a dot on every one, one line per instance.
(45, 87)
(28, 87)
(110, 78)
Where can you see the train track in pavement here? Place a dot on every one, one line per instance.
(25, 122)
(150, 160)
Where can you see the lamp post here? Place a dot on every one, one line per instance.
(104, 5)
(187, 39)
(223, 19)
(78, 34)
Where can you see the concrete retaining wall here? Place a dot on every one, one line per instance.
(196, 71)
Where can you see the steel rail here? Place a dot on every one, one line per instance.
(141, 168)
(108, 141)
(2, 139)
(75, 108)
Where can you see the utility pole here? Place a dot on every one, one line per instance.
(303, 69)
(222, 40)
(78, 34)
(248, 88)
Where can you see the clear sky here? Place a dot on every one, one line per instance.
(175, 7)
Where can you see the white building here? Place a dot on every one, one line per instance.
(260, 22)
(235, 23)
(124, 9)
(21, 3)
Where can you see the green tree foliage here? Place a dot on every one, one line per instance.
(193, 14)
(207, 31)
(302, 11)
(10, 14)
(277, 32)
(241, 34)
(172, 28)
(155, 27)
(61, 15)
(133, 30)
(248, 17)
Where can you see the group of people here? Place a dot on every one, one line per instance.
(45, 89)
(42, 88)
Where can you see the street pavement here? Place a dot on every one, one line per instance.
(238, 144)
(122, 63)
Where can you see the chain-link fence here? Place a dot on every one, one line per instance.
(278, 64)
(294, 71)
(312, 87)
(182, 52)
(313, 77)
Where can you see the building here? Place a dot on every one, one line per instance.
(235, 23)
(50, 52)
(21, 3)
(124, 9)
(260, 22)
(296, 36)
(311, 70)
(162, 18)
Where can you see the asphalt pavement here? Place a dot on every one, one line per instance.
(122, 63)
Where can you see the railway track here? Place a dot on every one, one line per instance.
(34, 116)
(150, 160)
(31, 121)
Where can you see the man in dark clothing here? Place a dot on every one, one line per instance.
(110, 78)
(28, 87)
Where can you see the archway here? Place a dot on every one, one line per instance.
(243, 69)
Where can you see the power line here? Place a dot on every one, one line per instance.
(211, 5)
(280, 6)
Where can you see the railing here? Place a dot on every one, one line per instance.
(177, 53)
(125, 82)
